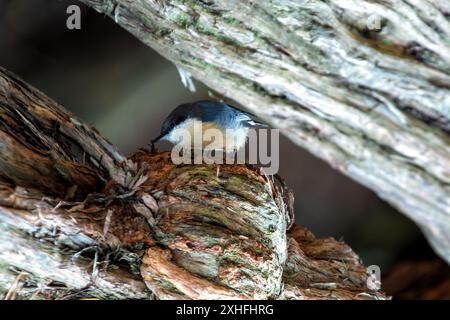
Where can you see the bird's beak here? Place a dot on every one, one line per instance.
(158, 138)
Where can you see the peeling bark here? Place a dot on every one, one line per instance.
(363, 85)
(61, 253)
(151, 229)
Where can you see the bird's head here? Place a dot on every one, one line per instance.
(207, 115)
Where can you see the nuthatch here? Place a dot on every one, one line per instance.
(196, 118)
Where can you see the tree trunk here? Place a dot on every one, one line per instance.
(363, 85)
(79, 220)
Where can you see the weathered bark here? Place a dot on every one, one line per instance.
(45, 246)
(363, 85)
(44, 146)
(151, 229)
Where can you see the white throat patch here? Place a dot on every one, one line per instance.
(195, 134)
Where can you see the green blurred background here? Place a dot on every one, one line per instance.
(125, 89)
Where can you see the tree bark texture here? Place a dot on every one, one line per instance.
(363, 85)
(78, 220)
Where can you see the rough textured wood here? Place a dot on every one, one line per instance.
(61, 253)
(184, 231)
(224, 237)
(228, 228)
(363, 85)
(47, 147)
(66, 252)
(323, 269)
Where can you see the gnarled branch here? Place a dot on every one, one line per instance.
(363, 85)
(151, 228)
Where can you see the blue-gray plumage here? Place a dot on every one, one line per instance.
(232, 122)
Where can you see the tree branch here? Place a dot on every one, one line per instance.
(371, 100)
(47, 147)
(180, 231)
(49, 246)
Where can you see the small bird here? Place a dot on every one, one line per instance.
(234, 124)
